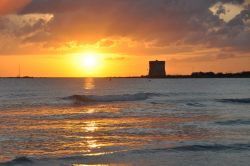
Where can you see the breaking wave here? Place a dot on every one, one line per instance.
(17, 161)
(234, 122)
(197, 148)
(215, 147)
(195, 104)
(240, 101)
(111, 98)
(103, 157)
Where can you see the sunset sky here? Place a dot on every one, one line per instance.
(78, 38)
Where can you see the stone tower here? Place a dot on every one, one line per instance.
(157, 69)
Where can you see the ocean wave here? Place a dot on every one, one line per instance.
(199, 147)
(239, 101)
(213, 147)
(195, 104)
(111, 98)
(17, 161)
(103, 156)
(234, 122)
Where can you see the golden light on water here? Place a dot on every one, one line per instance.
(91, 135)
(90, 126)
(91, 142)
(100, 165)
(89, 84)
(90, 111)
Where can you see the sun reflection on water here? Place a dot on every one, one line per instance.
(89, 84)
(91, 142)
(90, 110)
(99, 165)
(94, 130)
(90, 165)
(90, 126)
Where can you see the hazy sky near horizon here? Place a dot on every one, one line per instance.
(48, 37)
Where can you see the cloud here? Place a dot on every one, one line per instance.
(106, 43)
(208, 58)
(234, 35)
(225, 56)
(115, 58)
(12, 6)
(157, 27)
(17, 30)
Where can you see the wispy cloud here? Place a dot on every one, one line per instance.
(170, 26)
(12, 6)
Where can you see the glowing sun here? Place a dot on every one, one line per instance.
(90, 60)
(89, 63)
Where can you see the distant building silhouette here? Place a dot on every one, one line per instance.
(157, 69)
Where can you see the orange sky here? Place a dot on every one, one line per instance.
(51, 40)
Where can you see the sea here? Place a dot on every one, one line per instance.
(124, 122)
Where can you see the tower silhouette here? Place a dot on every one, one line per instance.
(157, 69)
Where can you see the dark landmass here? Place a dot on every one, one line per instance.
(245, 74)
(27, 77)
(24, 77)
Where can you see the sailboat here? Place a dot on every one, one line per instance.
(19, 73)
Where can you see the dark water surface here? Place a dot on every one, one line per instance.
(82, 122)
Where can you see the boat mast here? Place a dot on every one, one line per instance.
(19, 71)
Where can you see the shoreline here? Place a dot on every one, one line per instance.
(169, 77)
(194, 75)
